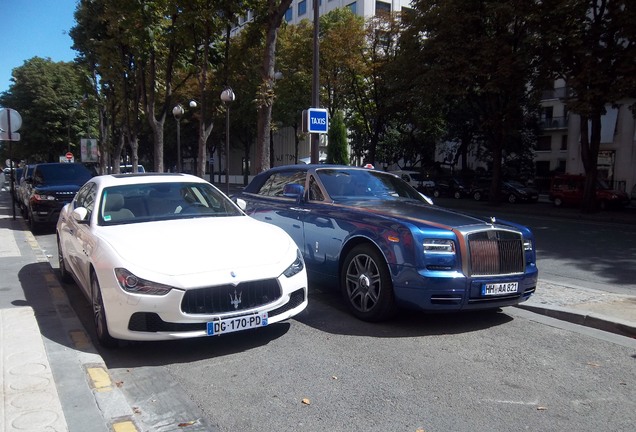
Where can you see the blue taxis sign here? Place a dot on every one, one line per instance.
(317, 120)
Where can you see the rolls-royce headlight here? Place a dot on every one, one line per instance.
(133, 284)
(439, 246)
(527, 245)
(296, 267)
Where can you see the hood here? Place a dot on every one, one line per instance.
(419, 213)
(52, 189)
(201, 245)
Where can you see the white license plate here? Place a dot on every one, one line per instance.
(499, 288)
(235, 324)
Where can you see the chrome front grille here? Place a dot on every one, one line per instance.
(230, 298)
(495, 252)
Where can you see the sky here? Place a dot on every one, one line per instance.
(30, 28)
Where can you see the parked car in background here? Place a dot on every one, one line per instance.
(567, 189)
(416, 179)
(449, 187)
(169, 256)
(52, 185)
(511, 191)
(385, 246)
(16, 179)
(23, 188)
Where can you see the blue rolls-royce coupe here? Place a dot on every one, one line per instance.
(387, 246)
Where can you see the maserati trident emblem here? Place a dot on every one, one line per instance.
(236, 299)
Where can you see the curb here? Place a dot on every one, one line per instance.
(109, 401)
(593, 320)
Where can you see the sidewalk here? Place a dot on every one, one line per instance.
(47, 360)
(602, 310)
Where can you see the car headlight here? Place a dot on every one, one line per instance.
(296, 267)
(439, 246)
(527, 245)
(133, 284)
(43, 197)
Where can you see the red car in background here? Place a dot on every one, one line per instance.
(567, 189)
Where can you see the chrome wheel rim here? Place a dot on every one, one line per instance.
(363, 283)
(97, 309)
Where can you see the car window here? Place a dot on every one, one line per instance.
(162, 201)
(61, 174)
(315, 193)
(275, 184)
(343, 183)
(86, 197)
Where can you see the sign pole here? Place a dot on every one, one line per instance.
(11, 173)
(315, 83)
(5, 123)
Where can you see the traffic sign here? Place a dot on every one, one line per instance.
(317, 120)
(4, 136)
(10, 122)
(10, 118)
(69, 156)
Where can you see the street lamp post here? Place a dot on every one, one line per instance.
(178, 112)
(227, 96)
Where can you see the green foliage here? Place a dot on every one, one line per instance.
(592, 44)
(477, 61)
(337, 152)
(49, 97)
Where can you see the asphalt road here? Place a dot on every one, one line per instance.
(326, 370)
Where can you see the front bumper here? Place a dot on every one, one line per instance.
(152, 318)
(454, 292)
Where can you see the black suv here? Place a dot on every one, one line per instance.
(52, 186)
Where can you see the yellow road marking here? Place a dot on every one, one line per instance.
(126, 426)
(100, 379)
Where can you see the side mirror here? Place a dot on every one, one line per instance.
(294, 190)
(241, 203)
(80, 214)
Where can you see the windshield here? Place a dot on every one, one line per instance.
(62, 174)
(163, 201)
(364, 184)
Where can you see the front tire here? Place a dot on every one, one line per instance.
(65, 276)
(512, 199)
(558, 202)
(33, 225)
(99, 315)
(366, 285)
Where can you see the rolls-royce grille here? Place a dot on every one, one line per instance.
(230, 298)
(495, 252)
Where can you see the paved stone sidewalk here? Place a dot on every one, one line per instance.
(31, 401)
(615, 313)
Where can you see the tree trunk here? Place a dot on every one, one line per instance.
(590, 144)
(275, 12)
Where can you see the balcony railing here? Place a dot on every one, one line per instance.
(554, 123)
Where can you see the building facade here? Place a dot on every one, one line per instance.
(559, 146)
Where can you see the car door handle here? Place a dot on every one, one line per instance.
(300, 209)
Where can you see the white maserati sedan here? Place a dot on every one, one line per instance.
(169, 256)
